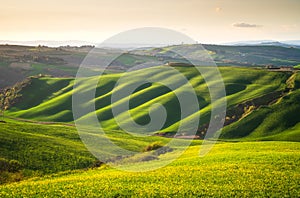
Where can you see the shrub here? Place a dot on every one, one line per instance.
(4, 164)
(14, 166)
(153, 146)
(10, 165)
(7, 177)
(97, 164)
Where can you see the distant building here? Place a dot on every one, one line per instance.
(280, 68)
(271, 67)
(178, 64)
(287, 68)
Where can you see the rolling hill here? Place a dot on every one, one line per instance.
(255, 98)
(290, 43)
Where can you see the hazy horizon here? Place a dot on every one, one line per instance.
(57, 43)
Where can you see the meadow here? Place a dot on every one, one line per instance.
(51, 148)
(249, 169)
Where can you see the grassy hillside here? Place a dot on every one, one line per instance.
(43, 148)
(279, 121)
(250, 93)
(261, 169)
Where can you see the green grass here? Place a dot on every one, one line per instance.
(49, 148)
(254, 169)
(50, 99)
(274, 122)
(56, 70)
(43, 148)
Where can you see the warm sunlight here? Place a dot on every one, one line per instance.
(213, 21)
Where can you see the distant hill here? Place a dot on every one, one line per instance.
(292, 42)
(255, 55)
(289, 43)
(250, 56)
(18, 62)
(48, 43)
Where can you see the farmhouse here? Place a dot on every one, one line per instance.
(178, 64)
(279, 68)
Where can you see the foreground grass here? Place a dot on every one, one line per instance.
(51, 148)
(43, 149)
(268, 169)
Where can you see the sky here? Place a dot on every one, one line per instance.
(209, 21)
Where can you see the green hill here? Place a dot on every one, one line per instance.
(278, 121)
(45, 148)
(34, 144)
(260, 103)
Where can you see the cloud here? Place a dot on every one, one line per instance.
(288, 28)
(246, 25)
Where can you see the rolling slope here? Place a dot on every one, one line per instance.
(53, 101)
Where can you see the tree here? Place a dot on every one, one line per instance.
(10, 95)
(7, 98)
(2, 103)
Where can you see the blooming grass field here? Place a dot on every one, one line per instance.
(245, 169)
